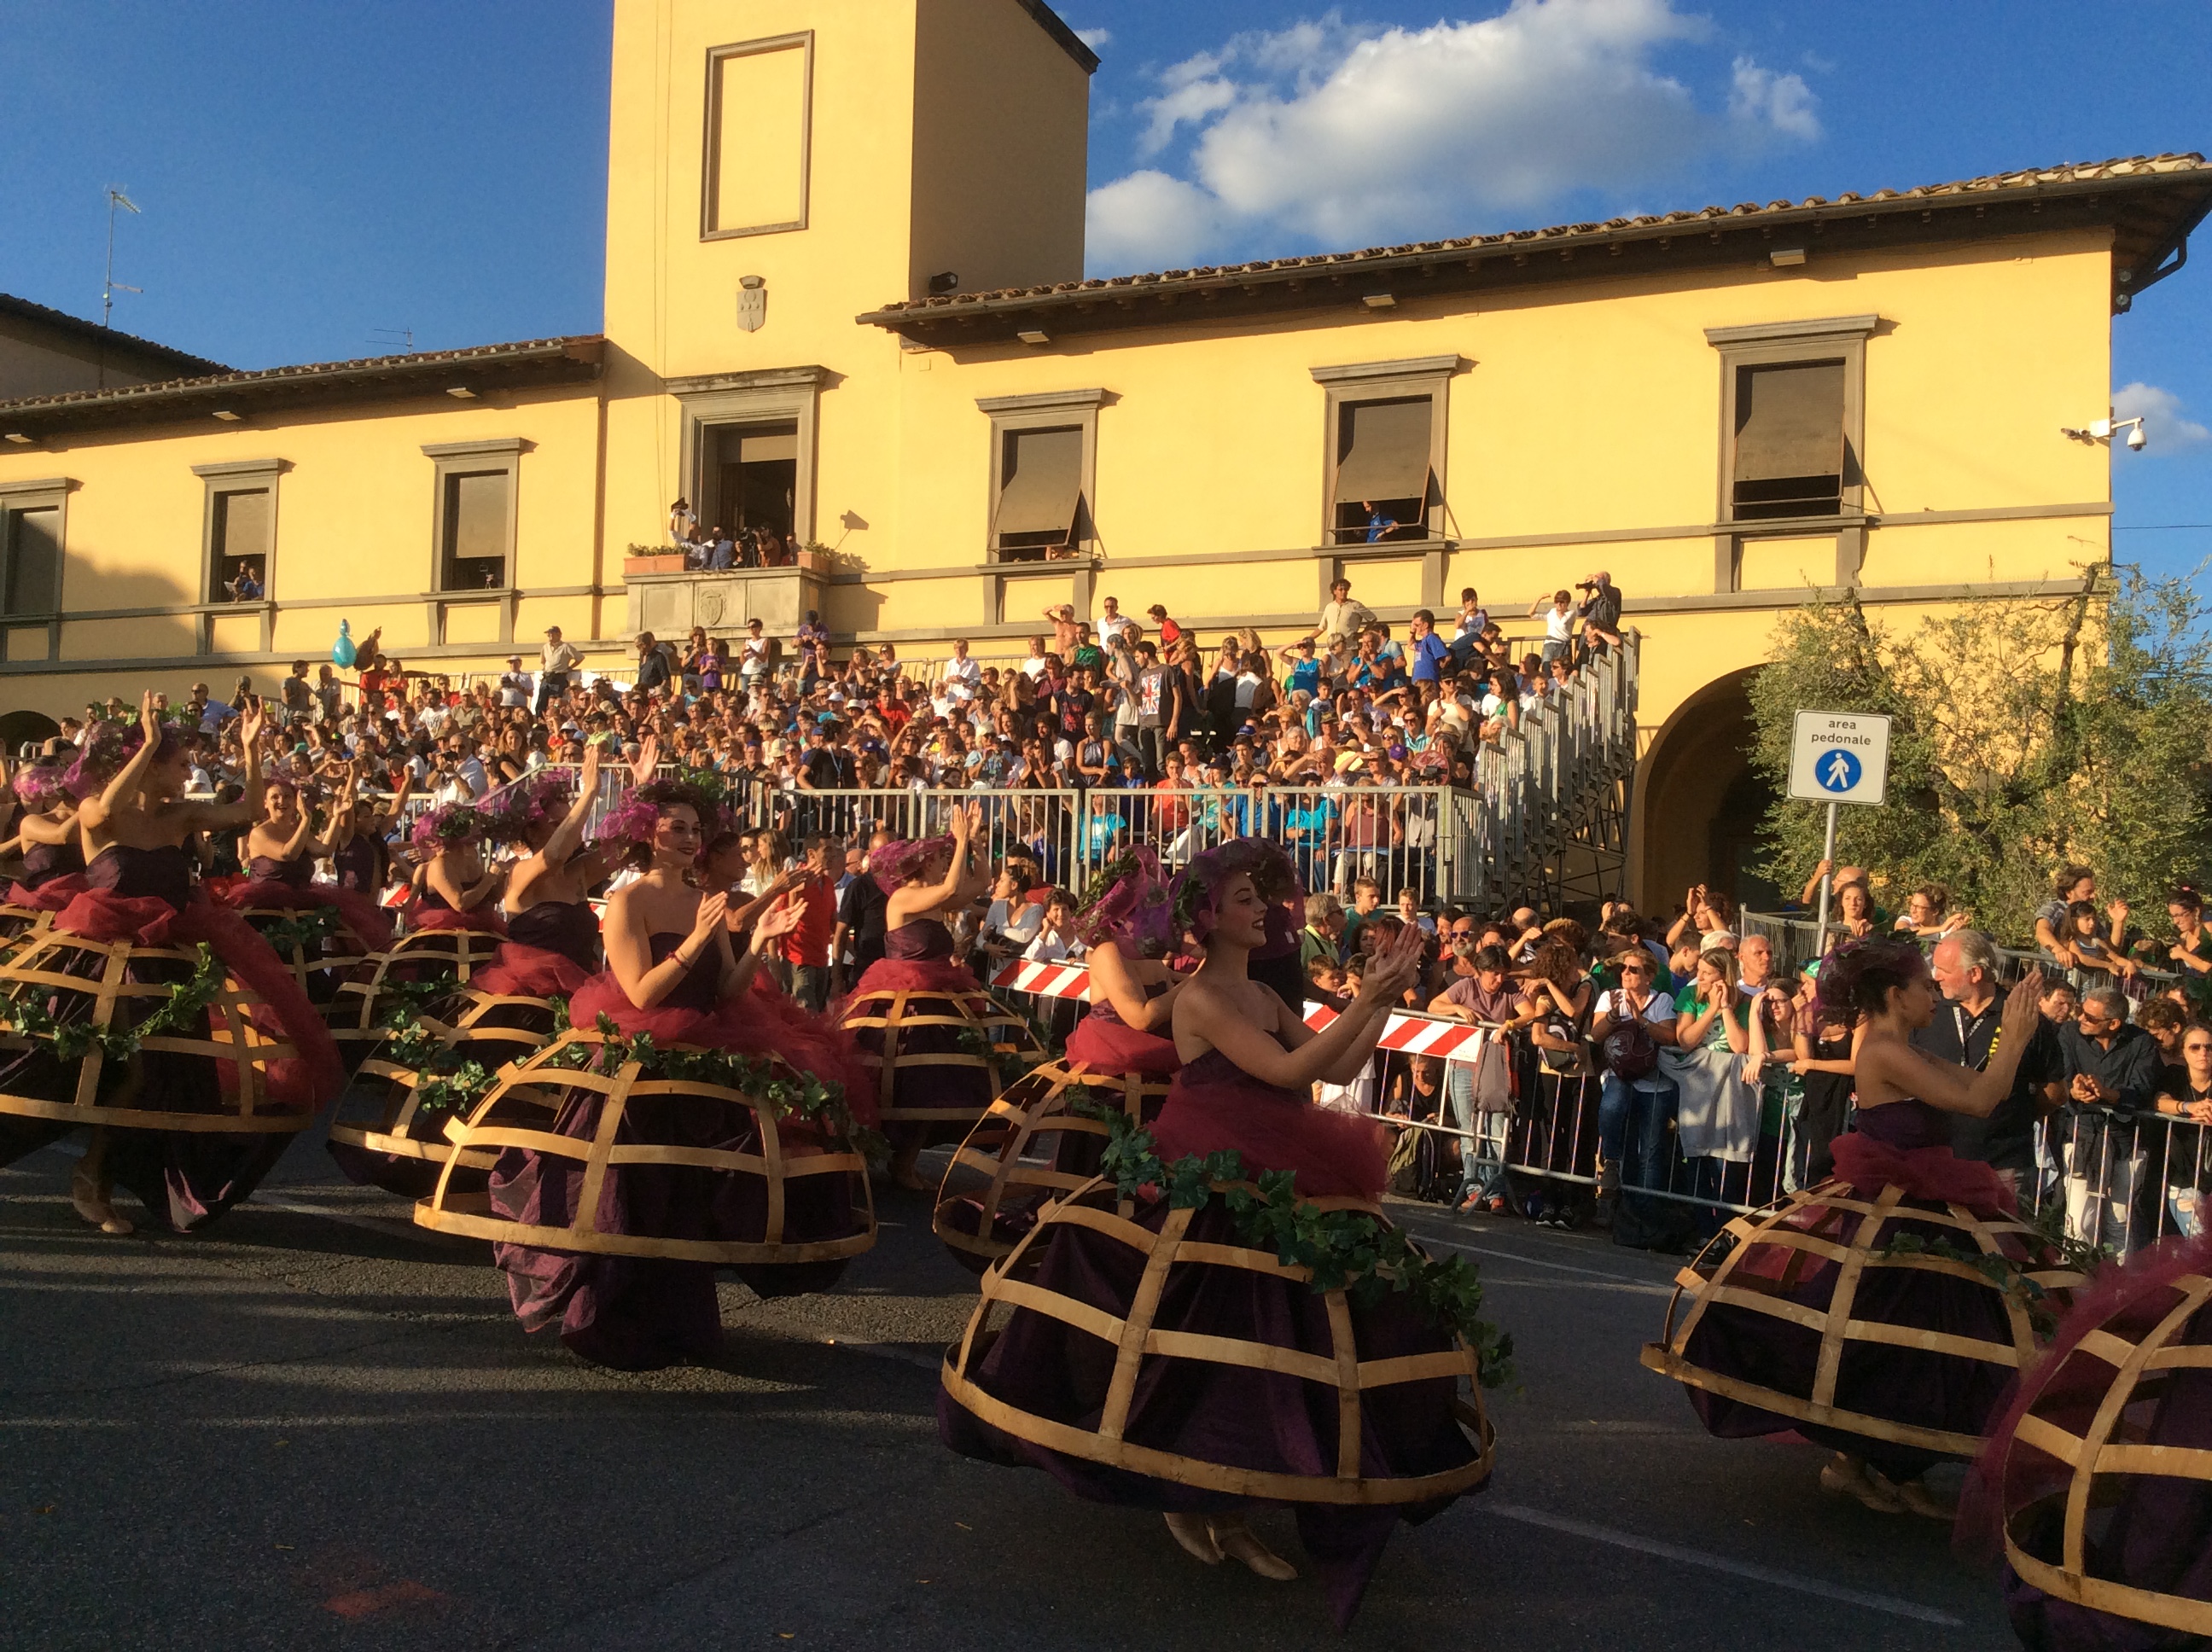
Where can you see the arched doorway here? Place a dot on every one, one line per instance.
(1698, 801)
(19, 727)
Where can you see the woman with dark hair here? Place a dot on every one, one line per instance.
(1829, 1314)
(552, 943)
(1165, 1421)
(136, 889)
(675, 975)
(362, 860)
(282, 849)
(454, 886)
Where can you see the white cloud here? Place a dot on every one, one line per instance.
(1326, 132)
(1097, 38)
(1765, 98)
(2164, 428)
(1149, 220)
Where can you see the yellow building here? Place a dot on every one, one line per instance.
(844, 297)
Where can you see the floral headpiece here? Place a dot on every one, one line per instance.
(38, 786)
(1129, 903)
(903, 858)
(533, 802)
(107, 748)
(630, 823)
(446, 827)
(1198, 891)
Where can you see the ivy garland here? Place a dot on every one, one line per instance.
(184, 1012)
(1343, 1250)
(2009, 1277)
(303, 931)
(785, 1092)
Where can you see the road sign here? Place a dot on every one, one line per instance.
(1840, 757)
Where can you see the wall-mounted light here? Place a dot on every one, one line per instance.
(2105, 429)
(1380, 300)
(1032, 336)
(461, 393)
(19, 439)
(1782, 257)
(944, 281)
(228, 416)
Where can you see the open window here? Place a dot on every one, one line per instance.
(30, 559)
(1040, 506)
(238, 530)
(1384, 479)
(752, 477)
(475, 513)
(1789, 429)
(1043, 466)
(1792, 418)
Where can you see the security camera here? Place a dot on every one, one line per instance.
(2136, 439)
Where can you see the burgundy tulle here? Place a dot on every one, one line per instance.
(760, 1022)
(309, 1080)
(916, 976)
(483, 920)
(1112, 1046)
(1332, 1154)
(1992, 1485)
(517, 970)
(361, 914)
(1929, 1173)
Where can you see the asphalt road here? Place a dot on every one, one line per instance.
(318, 1426)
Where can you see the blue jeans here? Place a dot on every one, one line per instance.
(1632, 1130)
(1482, 1160)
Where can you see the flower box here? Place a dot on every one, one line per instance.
(669, 562)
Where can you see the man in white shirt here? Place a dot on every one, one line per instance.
(554, 662)
(1340, 616)
(514, 685)
(960, 670)
(1112, 622)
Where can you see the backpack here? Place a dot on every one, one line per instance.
(1630, 1051)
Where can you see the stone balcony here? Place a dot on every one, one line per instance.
(667, 599)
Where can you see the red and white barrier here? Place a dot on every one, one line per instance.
(1413, 1035)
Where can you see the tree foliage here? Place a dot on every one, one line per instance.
(2025, 734)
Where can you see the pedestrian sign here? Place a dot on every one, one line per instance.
(1840, 757)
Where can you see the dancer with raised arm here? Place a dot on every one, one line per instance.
(282, 849)
(200, 1066)
(47, 838)
(1120, 1054)
(552, 932)
(924, 1024)
(1883, 1313)
(1162, 1352)
(752, 1168)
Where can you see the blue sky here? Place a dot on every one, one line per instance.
(315, 176)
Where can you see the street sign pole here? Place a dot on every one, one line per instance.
(1828, 880)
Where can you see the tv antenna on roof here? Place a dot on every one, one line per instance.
(116, 198)
(385, 337)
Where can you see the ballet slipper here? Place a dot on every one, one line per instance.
(90, 1201)
(1240, 1542)
(1844, 1477)
(1196, 1537)
(1915, 1496)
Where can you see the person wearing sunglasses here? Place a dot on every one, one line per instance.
(2185, 1097)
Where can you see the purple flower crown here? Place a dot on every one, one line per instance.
(1198, 890)
(1129, 904)
(444, 827)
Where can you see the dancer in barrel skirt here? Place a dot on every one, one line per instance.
(675, 973)
(1124, 1035)
(1907, 1367)
(137, 884)
(455, 888)
(47, 838)
(552, 944)
(1202, 1439)
(362, 860)
(282, 849)
(2120, 1408)
(926, 881)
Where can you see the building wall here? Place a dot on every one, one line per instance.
(37, 360)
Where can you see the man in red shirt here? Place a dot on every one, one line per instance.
(806, 949)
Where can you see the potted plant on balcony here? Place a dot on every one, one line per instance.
(652, 559)
(815, 558)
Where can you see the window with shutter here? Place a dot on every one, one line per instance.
(1040, 490)
(33, 570)
(1383, 481)
(1790, 447)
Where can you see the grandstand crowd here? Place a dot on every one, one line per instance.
(1681, 1056)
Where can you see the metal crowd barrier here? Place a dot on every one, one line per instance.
(1792, 938)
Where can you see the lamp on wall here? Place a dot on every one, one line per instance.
(2105, 429)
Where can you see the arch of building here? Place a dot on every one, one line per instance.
(19, 727)
(1695, 814)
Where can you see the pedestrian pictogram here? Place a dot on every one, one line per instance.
(1836, 771)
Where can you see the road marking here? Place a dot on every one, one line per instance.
(377, 1224)
(1533, 1261)
(1488, 1280)
(1676, 1552)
